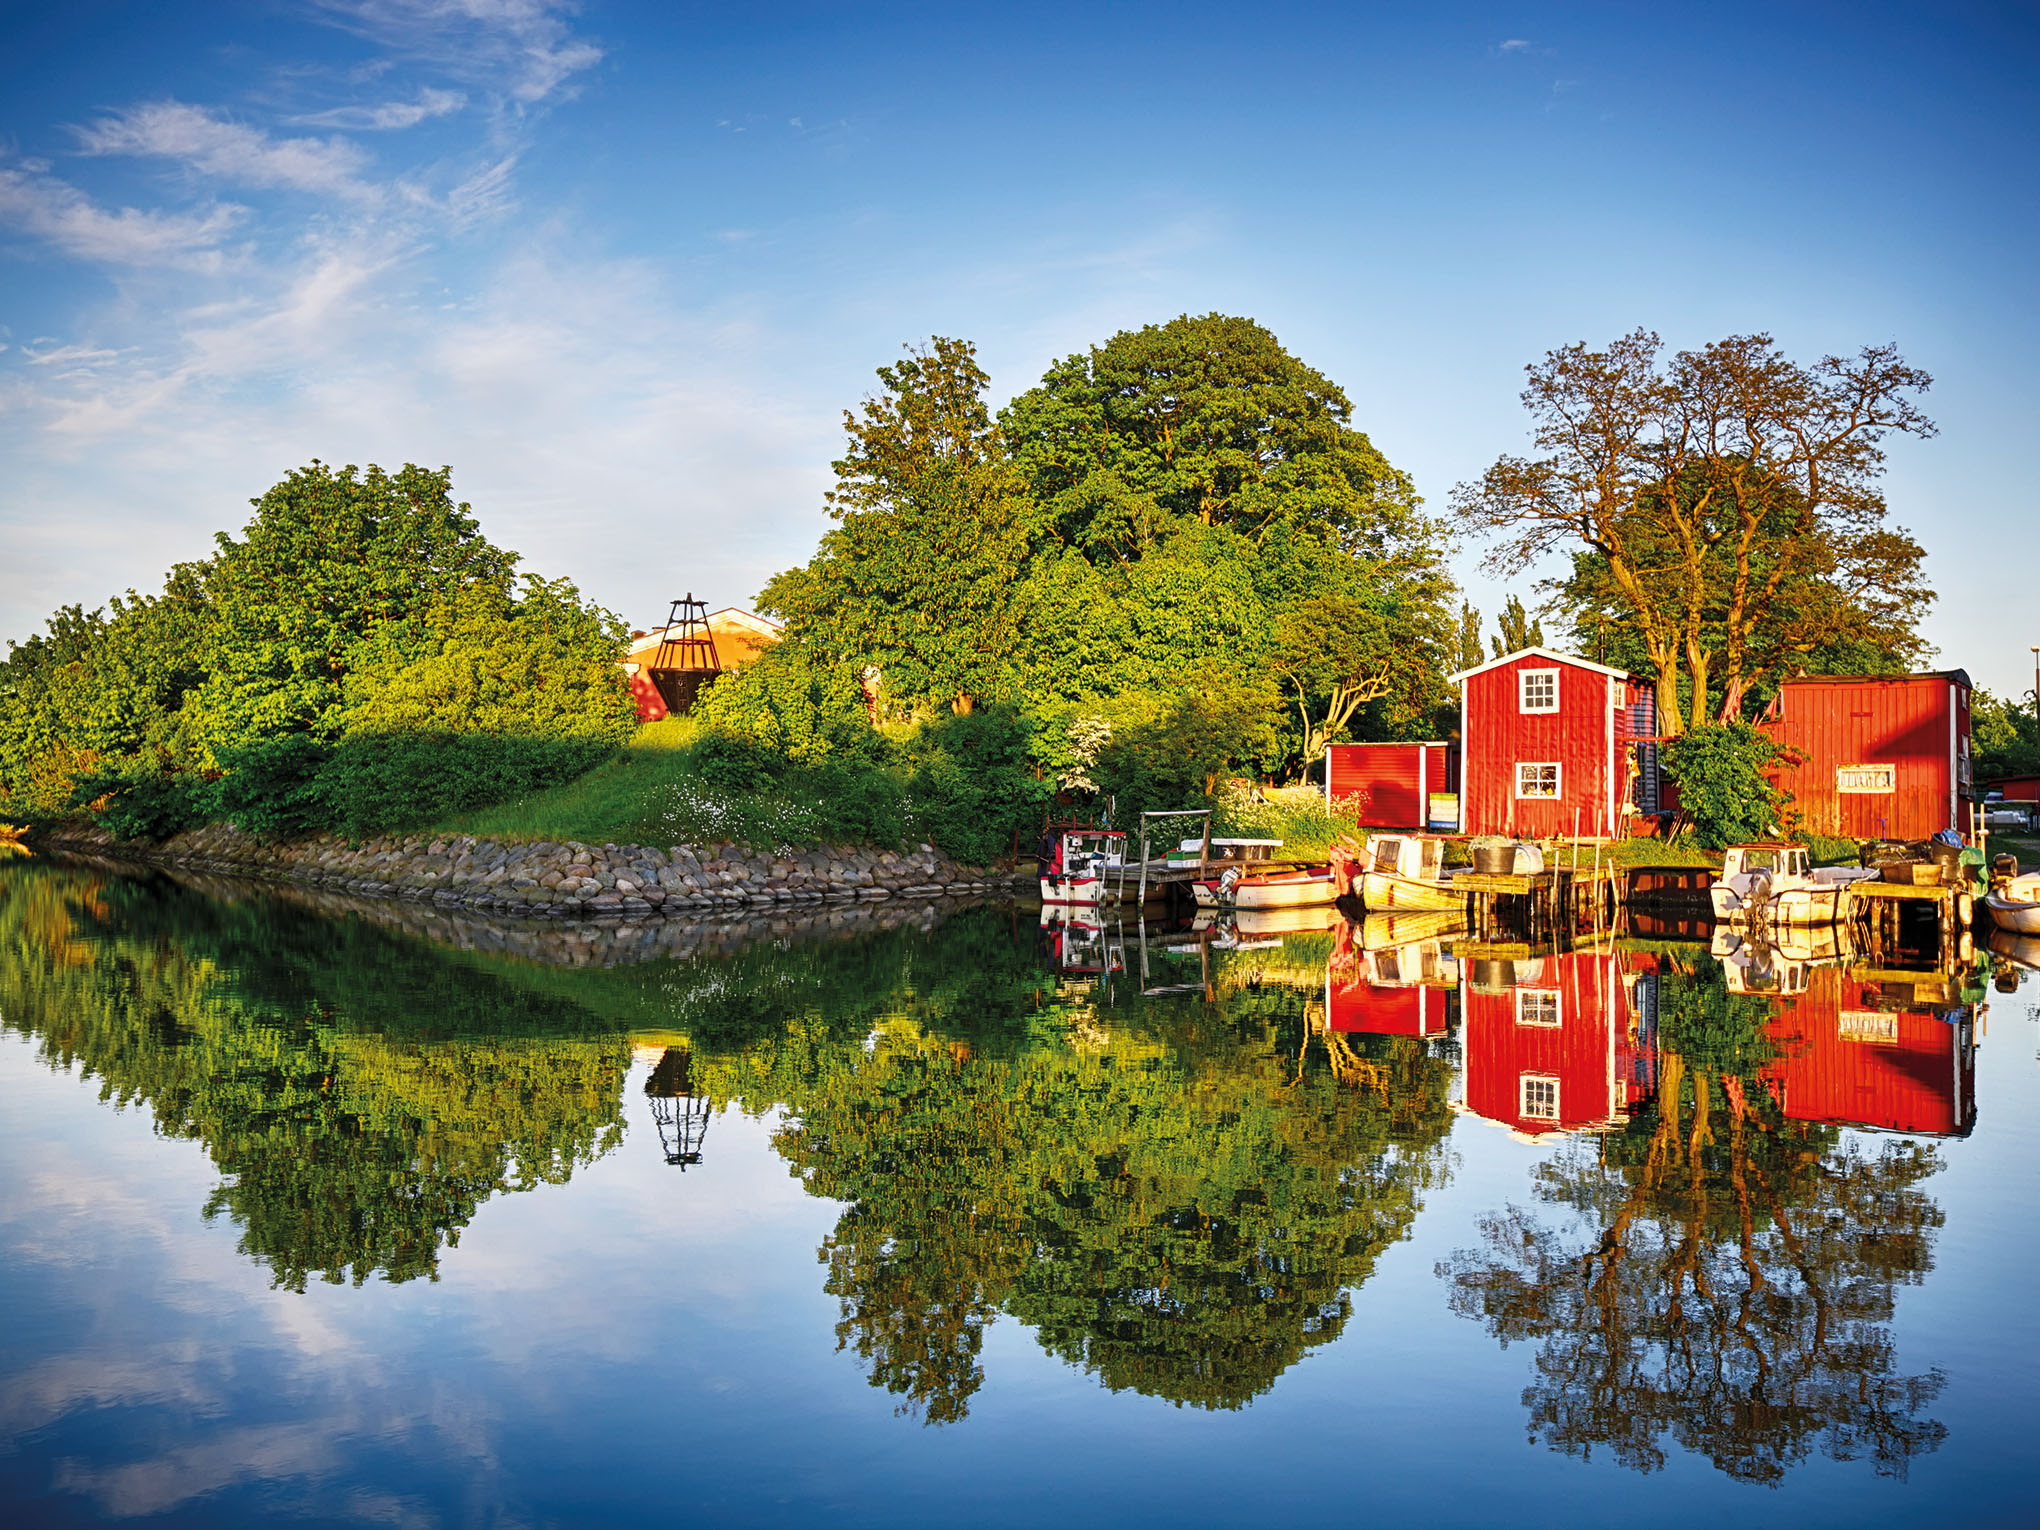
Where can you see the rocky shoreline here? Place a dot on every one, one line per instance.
(565, 879)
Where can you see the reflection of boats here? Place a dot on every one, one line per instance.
(1077, 944)
(1284, 887)
(2014, 903)
(1777, 881)
(2021, 950)
(1407, 871)
(1381, 930)
(1074, 860)
(1285, 921)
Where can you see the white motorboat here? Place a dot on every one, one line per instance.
(1277, 887)
(1777, 882)
(1075, 860)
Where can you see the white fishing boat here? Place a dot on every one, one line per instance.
(1777, 882)
(2014, 903)
(1406, 872)
(1075, 859)
(1280, 886)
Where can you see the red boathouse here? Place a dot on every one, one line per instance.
(1881, 756)
(1553, 744)
(1391, 786)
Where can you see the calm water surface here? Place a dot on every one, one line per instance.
(331, 1215)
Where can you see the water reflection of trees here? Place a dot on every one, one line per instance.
(344, 1152)
(1715, 1275)
(1177, 1199)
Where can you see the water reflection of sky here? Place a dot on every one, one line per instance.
(641, 1343)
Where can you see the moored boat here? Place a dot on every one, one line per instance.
(1074, 859)
(1776, 881)
(2014, 903)
(1277, 887)
(1406, 872)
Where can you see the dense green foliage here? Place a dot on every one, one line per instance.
(2003, 739)
(360, 657)
(1723, 791)
(1176, 545)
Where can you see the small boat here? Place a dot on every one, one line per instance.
(1407, 872)
(2014, 903)
(1277, 887)
(1777, 882)
(1074, 859)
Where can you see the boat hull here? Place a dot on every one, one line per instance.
(1385, 892)
(2019, 917)
(1073, 891)
(1303, 890)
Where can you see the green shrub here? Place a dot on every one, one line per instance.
(1719, 771)
(974, 787)
(144, 805)
(272, 788)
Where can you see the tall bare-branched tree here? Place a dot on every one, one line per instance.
(1726, 505)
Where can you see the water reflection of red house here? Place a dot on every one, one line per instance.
(1404, 990)
(1861, 1053)
(1559, 1043)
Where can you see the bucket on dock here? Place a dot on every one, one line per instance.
(1494, 860)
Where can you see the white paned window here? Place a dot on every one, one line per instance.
(1537, 689)
(1537, 1006)
(1866, 778)
(1540, 1097)
(1537, 778)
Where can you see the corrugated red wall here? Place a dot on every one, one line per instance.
(1845, 1058)
(1498, 735)
(1388, 782)
(1917, 725)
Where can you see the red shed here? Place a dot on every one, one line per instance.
(1563, 1042)
(1391, 785)
(2017, 788)
(1554, 744)
(1883, 756)
(1854, 1053)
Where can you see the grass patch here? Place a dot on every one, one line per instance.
(1296, 815)
(650, 794)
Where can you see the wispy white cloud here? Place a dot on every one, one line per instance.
(387, 116)
(1513, 45)
(214, 145)
(49, 209)
(525, 48)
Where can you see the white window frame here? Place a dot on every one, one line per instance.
(1523, 679)
(1536, 1017)
(1557, 769)
(1523, 1085)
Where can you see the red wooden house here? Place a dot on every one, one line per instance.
(2017, 788)
(1392, 786)
(1554, 744)
(1881, 756)
(1853, 1053)
(1559, 1043)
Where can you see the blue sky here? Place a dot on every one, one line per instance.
(623, 266)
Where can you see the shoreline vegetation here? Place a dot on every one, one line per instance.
(1167, 576)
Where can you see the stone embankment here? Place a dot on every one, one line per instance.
(565, 878)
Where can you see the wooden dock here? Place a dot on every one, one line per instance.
(1560, 896)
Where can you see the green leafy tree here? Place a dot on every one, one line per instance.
(2003, 738)
(1719, 770)
(1518, 631)
(918, 579)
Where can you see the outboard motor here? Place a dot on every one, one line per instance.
(2003, 868)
